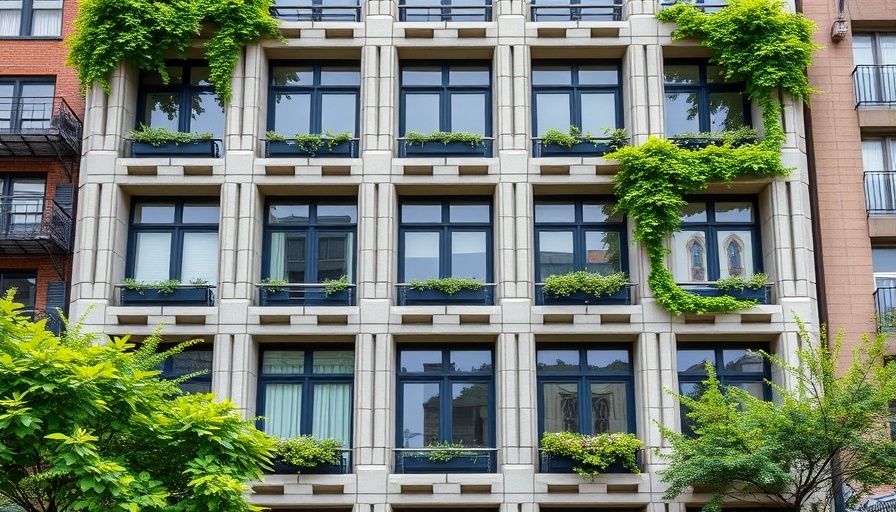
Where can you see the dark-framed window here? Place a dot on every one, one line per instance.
(879, 163)
(574, 234)
(875, 73)
(187, 103)
(314, 97)
(173, 239)
(585, 388)
(307, 241)
(22, 203)
(445, 10)
(31, 18)
(25, 283)
(445, 238)
(698, 99)
(446, 97)
(197, 358)
(306, 390)
(736, 364)
(584, 94)
(26, 103)
(718, 239)
(445, 395)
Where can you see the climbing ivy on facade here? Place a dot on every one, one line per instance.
(145, 33)
(754, 41)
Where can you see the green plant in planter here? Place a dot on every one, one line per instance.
(592, 454)
(335, 285)
(161, 135)
(273, 284)
(165, 287)
(594, 283)
(444, 451)
(473, 139)
(198, 281)
(739, 283)
(272, 136)
(449, 285)
(736, 137)
(618, 137)
(308, 452)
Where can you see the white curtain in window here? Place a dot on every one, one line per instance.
(10, 17)
(332, 413)
(334, 361)
(152, 257)
(278, 256)
(283, 410)
(200, 258)
(283, 362)
(47, 20)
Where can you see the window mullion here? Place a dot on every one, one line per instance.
(311, 252)
(25, 25)
(315, 124)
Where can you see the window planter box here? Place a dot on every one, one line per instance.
(185, 296)
(195, 149)
(460, 464)
(621, 297)
(551, 463)
(584, 148)
(761, 296)
(282, 468)
(291, 148)
(450, 149)
(306, 297)
(411, 297)
(694, 143)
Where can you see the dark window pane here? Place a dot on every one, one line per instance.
(207, 114)
(561, 406)
(555, 253)
(460, 213)
(470, 415)
(471, 360)
(337, 214)
(558, 360)
(293, 75)
(602, 252)
(175, 76)
(293, 255)
(191, 361)
(555, 213)
(694, 212)
(292, 113)
(421, 76)
(334, 255)
(609, 361)
(743, 360)
(200, 214)
(726, 111)
(734, 212)
(681, 74)
(162, 110)
(694, 360)
(288, 214)
(714, 74)
(421, 361)
(682, 113)
(199, 76)
(421, 213)
(420, 414)
(609, 407)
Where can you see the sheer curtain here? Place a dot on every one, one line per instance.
(10, 17)
(200, 258)
(47, 20)
(332, 412)
(278, 256)
(283, 410)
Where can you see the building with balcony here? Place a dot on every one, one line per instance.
(299, 263)
(40, 149)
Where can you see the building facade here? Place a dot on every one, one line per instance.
(40, 148)
(254, 228)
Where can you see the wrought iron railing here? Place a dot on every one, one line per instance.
(710, 6)
(181, 295)
(446, 460)
(550, 463)
(885, 307)
(30, 218)
(610, 10)
(880, 192)
(483, 148)
(40, 116)
(875, 85)
(408, 296)
(626, 296)
(446, 11)
(342, 467)
(318, 11)
(592, 146)
(304, 294)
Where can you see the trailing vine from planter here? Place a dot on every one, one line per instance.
(756, 41)
(146, 32)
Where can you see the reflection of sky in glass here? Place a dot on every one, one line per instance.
(470, 360)
(421, 360)
(468, 213)
(468, 255)
(734, 212)
(681, 114)
(421, 113)
(468, 113)
(421, 423)
(294, 114)
(551, 111)
(421, 255)
(694, 360)
(338, 113)
(598, 113)
(558, 360)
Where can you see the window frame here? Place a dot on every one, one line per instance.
(703, 88)
(313, 227)
(579, 228)
(584, 378)
(167, 366)
(7, 216)
(307, 380)
(176, 228)
(876, 52)
(185, 90)
(446, 379)
(446, 12)
(315, 90)
(18, 83)
(576, 113)
(21, 274)
(711, 227)
(445, 90)
(446, 228)
(26, 22)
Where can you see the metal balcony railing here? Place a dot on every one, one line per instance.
(885, 307)
(38, 126)
(880, 192)
(710, 6)
(550, 463)
(331, 10)
(483, 148)
(875, 85)
(445, 460)
(408, 296)
(32, 225)
(304, 294)
(428, 10)
(606, 10)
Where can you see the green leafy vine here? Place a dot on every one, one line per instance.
(756, 41)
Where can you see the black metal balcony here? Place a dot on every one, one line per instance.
(880, 192)
(330, 10)
(875, 85)
(39, 126)
(457, 10)
(445, 460)
(32, 225)
(709, 7)
(305, 294)
(595, 10)
(885, 307)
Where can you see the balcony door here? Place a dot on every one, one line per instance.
(875, 75)
(26, 104)
(22, 205)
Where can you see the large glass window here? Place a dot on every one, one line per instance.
(577, 10)
(26, 103)
(173, 240)
(25, 284)
(310, 241)
(446, 98)
(445, 10)
(445, 396)
(187, 103)
(314, 98)
(585, 95)
(197, 358)
(30, 18)
(21, 205)
(572, 235)
(306, 391)
(718, 239)
(874, 54)
(879, 162)
(445, 239)
(585, 389)
(698, 99)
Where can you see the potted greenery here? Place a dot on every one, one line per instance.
(733, 138)
(565, 452)
(335, 292)
(583, 287)
(305, 454)
(169, 292)
(147, 141)
(274, 292)
(738, 287)
(445, 457)
(446, 290)
(310, 144)
(277, 292)
(445, 144)
(556, 142)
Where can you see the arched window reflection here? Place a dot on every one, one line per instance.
(697, 260)
(735, 252)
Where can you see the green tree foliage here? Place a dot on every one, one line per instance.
(93, 428)
(146, 32)
(795, 450)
